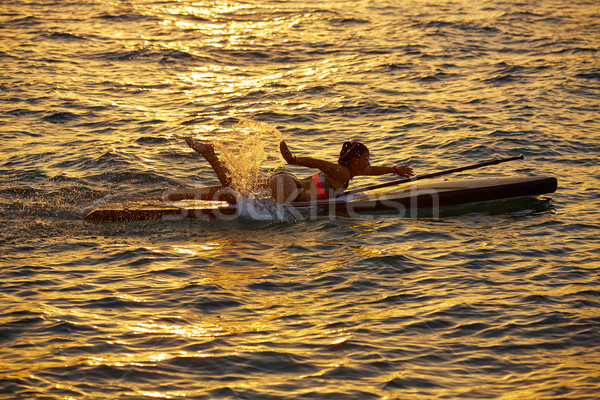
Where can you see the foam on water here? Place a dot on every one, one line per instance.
(260, 206)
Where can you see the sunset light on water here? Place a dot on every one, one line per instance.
(494, 299)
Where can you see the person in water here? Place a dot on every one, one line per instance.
(330, 182)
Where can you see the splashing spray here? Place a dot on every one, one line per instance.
(251, 156)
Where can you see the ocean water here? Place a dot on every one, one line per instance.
(492, 301)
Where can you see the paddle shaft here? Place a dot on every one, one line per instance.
(434, 174)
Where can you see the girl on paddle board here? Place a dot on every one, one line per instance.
(330, 182)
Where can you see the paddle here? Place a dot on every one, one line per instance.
(434, 174)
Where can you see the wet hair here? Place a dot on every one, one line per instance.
(351, 150)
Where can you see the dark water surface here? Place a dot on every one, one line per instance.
(491, 301)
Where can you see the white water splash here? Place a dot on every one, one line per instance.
(251, 154)
(259, 206)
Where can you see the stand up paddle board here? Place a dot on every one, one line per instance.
(416, 195)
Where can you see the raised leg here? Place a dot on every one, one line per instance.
(208, 152)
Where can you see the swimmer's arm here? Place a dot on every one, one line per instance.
(374, 170)
(329, 168)
(333, 169)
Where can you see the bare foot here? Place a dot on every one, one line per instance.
(206, 149)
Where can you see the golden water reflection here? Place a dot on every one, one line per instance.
(202, 84)
(231, 33)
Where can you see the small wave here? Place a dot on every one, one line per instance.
(410, 383)
(395, 66)
(348, 21)
(196, 121)
(147, 140)
(575, 50)
(124, 17)
(23, 112)
(112, 302)
(588, 75)
(463, 27)
(509, 73)
(66, 327)
(25, 21)
(360, 108)
(162, 56)
(436, 77)
(60, 117)
(215, 304)
(501, 78)
(220, 367)
(524, 14)
(65, 36)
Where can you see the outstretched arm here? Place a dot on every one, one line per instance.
(403, 170)
(333, 169)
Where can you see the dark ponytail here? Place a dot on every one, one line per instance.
(351, 150)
